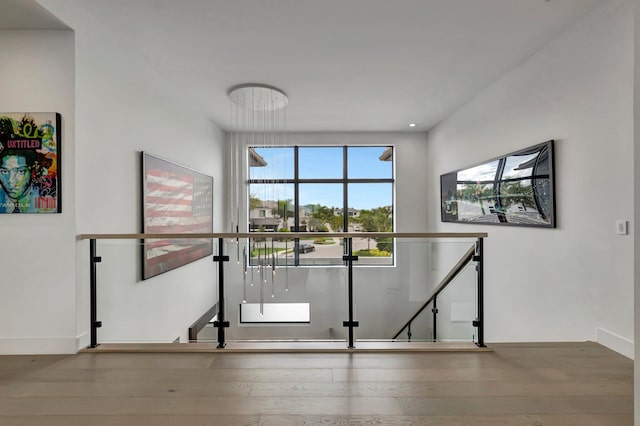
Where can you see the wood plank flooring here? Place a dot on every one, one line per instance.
(581, 384)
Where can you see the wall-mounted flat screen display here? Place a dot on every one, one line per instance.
(515, 189)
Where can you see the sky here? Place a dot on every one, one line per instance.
(326, 163)
(487, 172)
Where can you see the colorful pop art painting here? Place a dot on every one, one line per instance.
(30, 163)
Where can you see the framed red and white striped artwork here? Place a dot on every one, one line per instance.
(175, 199)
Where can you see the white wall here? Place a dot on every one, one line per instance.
(574, 282)
(37, 288)
(124, 107)
(636, 193)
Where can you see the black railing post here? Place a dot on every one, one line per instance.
(221, 324)
(434, 311)
(479, 322)
(93, 291)
(351, 323)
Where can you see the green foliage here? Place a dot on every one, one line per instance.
(281, 230)
(323, 213)
(374, 252)
(512, 193)
(284, 209)
(259, 240)
(379, 219)
(384, 244)
(265, 251)
(315, 224)
(336, 223)
(254, 202)
(477, 192)
(324, 241)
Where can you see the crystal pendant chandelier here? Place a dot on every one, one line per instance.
(258, 116)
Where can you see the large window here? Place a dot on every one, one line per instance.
(321, 189)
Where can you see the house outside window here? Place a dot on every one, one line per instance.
(308, 189)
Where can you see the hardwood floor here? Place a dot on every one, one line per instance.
(581, 384)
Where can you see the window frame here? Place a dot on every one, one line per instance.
(345, 181)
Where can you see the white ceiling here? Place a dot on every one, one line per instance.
(346, 65)
(27, 14)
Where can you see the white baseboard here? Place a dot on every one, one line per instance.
(83, 341)
(615, 342)
(38, 346)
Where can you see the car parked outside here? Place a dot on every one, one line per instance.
(306, 248)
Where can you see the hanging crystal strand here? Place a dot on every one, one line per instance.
(234, 174)
(273, 270)
(238, 148)
(252, 247)
(286, 264)
(235, 183)
(261, 277)
(259, 249)
(239, 167)
(244, 275)
(283, 139)
(234, 190)
(237, 179)
(238, 240)
(261, 296)
(266, 262)
(234, 134)
(259, 261)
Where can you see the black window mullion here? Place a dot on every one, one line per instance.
(296, 203)
(345, 191)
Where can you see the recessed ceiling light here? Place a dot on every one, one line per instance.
(412, 125)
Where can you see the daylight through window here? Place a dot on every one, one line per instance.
(321, 189)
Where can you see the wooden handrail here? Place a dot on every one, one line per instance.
(458, 267)
(285, 235)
